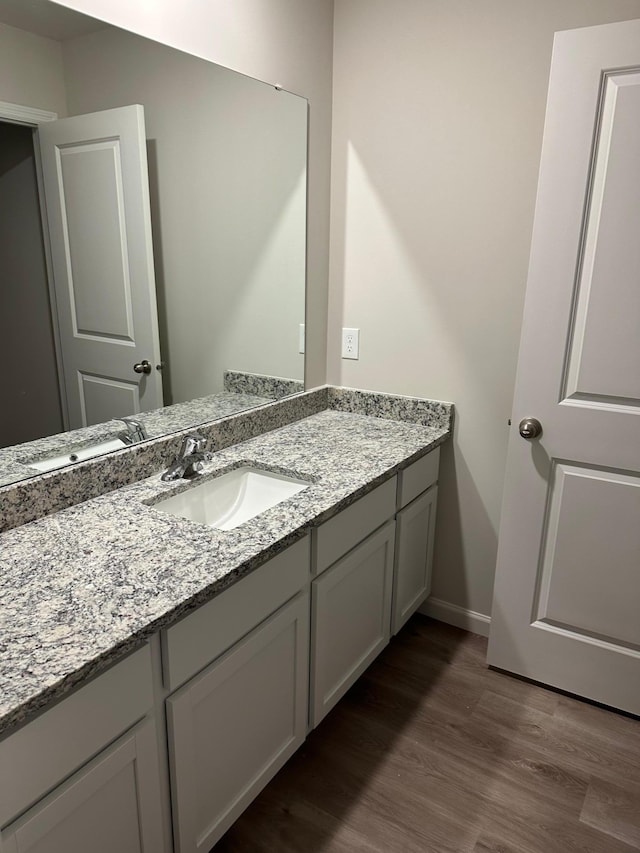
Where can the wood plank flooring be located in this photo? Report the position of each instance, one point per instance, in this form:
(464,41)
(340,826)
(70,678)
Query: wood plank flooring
(432,752)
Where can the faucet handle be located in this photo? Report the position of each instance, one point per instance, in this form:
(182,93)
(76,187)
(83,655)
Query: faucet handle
(192,443)
(135,430)
(190,459)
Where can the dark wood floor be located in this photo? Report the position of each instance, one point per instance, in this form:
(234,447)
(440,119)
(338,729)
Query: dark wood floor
(432,751)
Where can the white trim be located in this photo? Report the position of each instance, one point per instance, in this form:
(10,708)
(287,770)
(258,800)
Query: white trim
(24,115)
(453,614)
(55,325)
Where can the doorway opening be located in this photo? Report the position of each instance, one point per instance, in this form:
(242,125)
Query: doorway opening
(31,395)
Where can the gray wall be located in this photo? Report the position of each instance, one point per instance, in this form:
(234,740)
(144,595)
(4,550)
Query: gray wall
(227,161)
(285,42)
(438,117)
(30,403)
(31,71)
(438,110)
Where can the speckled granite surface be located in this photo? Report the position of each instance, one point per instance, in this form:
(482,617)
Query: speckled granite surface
(24,500)
(274,387)
(80,588)
(14,460)
(27,500)
(391,406)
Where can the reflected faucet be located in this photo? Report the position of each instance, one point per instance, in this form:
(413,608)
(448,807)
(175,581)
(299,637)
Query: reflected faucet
(134,431)
(190,459)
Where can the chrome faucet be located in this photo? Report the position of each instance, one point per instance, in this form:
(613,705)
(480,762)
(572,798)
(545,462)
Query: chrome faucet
(134,431)
(190,459)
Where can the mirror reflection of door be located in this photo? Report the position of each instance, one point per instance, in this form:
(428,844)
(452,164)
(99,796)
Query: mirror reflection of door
(96,322)
(96,189)
(227,181)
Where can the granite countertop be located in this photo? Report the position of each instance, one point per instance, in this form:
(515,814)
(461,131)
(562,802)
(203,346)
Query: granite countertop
(15,460)
(81,588)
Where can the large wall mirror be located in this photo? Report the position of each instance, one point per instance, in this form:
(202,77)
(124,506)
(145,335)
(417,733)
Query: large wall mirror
(152,239)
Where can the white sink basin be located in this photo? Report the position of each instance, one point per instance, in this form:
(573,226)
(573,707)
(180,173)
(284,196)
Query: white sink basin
(51,463)
(230,500)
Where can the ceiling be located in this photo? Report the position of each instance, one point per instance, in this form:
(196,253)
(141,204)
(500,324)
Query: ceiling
(47,19)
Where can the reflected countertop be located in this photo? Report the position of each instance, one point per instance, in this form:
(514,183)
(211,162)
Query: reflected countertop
(14,460)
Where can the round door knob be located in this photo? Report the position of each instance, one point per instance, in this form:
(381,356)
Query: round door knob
(142,367)
(530,428)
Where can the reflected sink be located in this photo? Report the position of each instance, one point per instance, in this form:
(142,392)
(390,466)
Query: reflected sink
(51,463)
(235,497)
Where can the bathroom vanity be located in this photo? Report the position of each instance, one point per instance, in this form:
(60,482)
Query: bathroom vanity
(158,672)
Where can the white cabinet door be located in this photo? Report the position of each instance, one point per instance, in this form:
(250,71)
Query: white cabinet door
(234,726)
(414,556)
(351,618)
(567,593)
(111,804)
(97,198)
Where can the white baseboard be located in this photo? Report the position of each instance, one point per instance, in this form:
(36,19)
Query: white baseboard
(452,614)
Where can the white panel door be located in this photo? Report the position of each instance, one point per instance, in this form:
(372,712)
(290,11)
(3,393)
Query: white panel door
(97,199)
(567,599)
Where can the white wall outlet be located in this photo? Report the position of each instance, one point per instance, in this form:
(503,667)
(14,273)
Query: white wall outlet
(301,338)
(351,343)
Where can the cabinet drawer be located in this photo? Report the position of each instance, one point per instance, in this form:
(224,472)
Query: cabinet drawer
(418,477)
(189,645)
(341,533)
(39,756)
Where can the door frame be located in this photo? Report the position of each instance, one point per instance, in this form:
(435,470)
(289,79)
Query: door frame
(32,117)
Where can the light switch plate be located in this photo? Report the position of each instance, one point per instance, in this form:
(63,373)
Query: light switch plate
(301,338)
(351,343)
